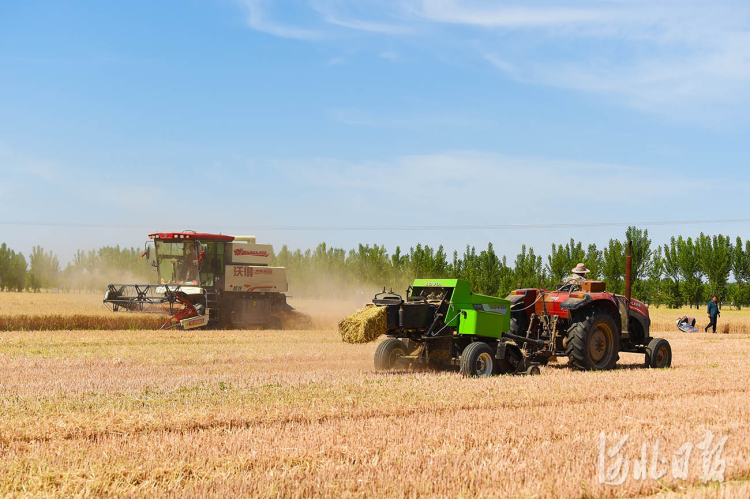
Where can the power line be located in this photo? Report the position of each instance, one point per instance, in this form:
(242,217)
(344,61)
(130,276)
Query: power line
(369,228)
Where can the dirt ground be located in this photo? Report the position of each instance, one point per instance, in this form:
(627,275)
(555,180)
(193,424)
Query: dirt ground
(299,413)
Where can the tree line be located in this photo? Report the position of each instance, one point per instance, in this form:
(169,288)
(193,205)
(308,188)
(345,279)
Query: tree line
(88,271)
(681,272)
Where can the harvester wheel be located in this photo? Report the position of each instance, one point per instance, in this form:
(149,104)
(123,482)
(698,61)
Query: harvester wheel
(274,323)
(658,354)
(388,353)
(593,343)
(477,360)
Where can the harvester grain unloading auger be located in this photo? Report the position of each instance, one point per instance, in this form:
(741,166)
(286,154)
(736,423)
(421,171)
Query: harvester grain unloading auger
(442,324)
(207,280)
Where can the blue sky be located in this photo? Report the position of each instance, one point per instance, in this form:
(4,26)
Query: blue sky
(212,114)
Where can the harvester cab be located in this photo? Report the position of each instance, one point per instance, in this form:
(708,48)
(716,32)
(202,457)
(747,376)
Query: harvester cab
(443,324)
(207,280)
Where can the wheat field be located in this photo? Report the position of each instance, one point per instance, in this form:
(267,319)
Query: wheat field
(299,413)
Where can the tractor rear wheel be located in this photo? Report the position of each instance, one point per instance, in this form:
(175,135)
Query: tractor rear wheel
(593,343)
(477,360)
(658,354)
(519,323)
(388,353)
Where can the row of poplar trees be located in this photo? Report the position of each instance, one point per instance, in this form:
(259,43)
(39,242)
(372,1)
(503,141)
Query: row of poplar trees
(682,272)
(90,270)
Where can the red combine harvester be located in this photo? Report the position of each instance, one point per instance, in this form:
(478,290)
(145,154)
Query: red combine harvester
(207,280)
(585,323)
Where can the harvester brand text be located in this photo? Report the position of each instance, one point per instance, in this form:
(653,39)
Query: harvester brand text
(250,271)
(244,252)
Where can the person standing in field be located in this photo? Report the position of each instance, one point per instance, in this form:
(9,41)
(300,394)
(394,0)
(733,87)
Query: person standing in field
(713,314)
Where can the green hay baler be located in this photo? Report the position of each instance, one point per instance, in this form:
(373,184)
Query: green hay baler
(441,323)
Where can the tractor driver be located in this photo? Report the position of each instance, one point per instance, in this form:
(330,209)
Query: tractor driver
(577,277)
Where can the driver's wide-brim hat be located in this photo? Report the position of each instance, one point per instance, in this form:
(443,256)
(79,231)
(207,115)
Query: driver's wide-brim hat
(580,269)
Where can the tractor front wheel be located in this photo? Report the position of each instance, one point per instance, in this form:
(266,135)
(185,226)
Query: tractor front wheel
(658,354)
(477,360)
(388,354)
(593,344)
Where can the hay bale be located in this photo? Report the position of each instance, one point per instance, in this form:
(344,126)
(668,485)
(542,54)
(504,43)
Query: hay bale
(364,325)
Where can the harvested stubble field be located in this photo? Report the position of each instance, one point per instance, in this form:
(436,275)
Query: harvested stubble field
(299,413)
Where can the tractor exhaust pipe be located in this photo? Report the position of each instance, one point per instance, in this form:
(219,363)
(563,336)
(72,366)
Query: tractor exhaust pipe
(628,271)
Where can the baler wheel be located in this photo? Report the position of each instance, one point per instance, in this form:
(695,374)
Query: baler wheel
(593,344)
(477,360)
(510,363)
(658,354)
(533,371)
(388,353)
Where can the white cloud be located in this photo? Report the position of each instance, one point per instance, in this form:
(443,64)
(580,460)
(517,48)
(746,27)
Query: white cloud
(685,59)
(391,56)
(335,61)
(12,161)
(474,188)
(358,117)
(500,64)
(492,15)
(121,195)
(257,19)
(671,58)
(687,87)
(483,185)
(338,13)
(372,27)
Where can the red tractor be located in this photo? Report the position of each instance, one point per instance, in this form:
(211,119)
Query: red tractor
(584,323)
